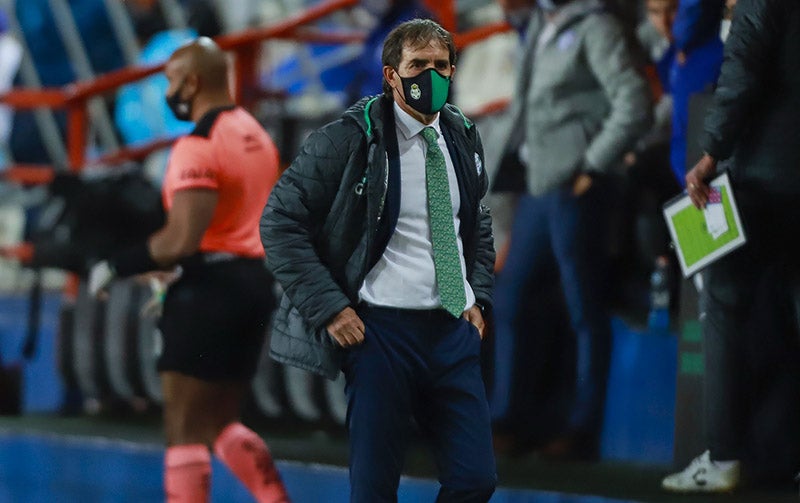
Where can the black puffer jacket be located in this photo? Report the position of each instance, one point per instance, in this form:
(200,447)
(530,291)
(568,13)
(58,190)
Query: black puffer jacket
(755,115)
(322,219)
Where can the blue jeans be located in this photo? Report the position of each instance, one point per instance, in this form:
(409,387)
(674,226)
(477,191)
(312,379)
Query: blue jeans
(425,365)
(572,232)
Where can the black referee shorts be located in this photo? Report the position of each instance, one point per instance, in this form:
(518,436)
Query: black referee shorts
(214,320)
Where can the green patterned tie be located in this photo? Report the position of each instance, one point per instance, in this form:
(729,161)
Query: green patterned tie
(443,233)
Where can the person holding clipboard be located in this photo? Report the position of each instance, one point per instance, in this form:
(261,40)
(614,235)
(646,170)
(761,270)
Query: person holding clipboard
(754,121)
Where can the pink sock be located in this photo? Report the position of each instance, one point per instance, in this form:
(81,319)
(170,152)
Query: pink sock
(247,456)
(187,470)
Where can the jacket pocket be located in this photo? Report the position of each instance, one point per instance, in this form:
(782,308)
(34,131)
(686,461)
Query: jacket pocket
(556,154)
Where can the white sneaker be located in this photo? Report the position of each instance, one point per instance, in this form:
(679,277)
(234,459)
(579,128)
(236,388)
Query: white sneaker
(704,475)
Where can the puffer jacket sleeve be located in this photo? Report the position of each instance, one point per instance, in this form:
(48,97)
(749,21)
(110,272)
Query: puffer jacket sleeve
(749,49)
(296,209)
(482,278)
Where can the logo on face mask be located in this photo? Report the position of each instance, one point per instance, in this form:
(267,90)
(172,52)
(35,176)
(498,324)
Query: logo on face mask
(415,92)
(428,90)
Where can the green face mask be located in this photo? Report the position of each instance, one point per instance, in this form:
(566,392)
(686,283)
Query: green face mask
(427,92)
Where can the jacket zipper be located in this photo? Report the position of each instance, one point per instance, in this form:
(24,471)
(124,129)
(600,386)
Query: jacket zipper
(360,188)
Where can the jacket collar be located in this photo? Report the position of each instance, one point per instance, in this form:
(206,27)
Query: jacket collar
(410,127)
(368,114)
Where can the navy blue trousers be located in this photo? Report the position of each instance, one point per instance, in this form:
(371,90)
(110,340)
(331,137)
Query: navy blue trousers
(423,365)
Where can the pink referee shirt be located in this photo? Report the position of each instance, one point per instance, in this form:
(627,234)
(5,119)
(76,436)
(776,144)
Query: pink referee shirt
(237,159)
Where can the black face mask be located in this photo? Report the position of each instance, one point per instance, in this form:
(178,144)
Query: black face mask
(181,109)
(427,92)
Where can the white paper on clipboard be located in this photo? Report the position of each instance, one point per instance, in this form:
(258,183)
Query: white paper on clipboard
(701,238)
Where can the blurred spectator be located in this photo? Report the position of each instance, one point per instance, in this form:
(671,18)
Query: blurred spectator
(695,68)
(581,104)
(754,121)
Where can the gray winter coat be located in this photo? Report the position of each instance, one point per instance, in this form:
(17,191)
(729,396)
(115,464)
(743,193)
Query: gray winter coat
(581,101)
(322,223)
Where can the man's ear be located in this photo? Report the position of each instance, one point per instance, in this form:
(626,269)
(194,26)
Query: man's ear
(389,74)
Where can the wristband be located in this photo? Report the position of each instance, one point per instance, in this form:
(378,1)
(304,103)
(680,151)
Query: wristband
(133,260)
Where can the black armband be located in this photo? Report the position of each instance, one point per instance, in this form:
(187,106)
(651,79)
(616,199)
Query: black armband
(133,260)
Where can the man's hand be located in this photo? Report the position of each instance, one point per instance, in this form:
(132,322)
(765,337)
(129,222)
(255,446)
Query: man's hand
(100,276)
(581,185)
(696,186)
(474,315)
(346,328)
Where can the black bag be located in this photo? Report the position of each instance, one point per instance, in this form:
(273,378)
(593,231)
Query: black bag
(86,219)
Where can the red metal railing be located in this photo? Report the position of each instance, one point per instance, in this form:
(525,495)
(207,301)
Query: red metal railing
(244,45)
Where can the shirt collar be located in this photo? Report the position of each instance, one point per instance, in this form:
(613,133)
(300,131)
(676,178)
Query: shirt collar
(409,126)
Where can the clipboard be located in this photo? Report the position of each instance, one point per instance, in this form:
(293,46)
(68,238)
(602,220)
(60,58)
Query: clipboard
(694,244)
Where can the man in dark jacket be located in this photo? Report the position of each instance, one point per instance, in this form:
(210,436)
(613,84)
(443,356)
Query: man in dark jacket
(385,254)
(754,121)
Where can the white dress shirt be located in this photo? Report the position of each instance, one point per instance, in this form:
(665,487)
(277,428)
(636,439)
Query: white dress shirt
(405,276)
